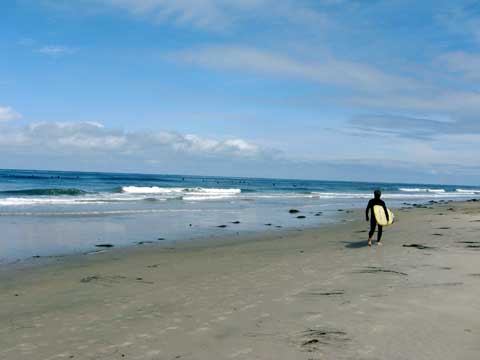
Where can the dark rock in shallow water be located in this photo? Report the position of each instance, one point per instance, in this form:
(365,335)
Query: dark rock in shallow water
(301,217)
(340,210)
(268,224)
(235,222)
(104,245)
(293,211)
(222,226)
(144,242)
(319,213)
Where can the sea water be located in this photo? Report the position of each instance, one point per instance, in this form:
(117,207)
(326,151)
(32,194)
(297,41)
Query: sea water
(46,213)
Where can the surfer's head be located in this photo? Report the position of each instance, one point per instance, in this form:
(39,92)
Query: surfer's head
(377,193)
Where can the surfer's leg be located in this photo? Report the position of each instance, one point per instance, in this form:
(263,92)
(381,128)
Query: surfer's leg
(379,235)
(373,224)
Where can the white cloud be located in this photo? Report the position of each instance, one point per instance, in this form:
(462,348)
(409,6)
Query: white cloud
(331,71)
(94,138)
(212,14)
(7,114)
(461,18)
(55,50)
(466,64)
(458,103)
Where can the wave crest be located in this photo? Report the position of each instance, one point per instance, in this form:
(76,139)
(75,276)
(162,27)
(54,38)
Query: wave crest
(45,192)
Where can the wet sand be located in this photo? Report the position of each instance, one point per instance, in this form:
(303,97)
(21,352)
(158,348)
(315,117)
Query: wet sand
(312,294)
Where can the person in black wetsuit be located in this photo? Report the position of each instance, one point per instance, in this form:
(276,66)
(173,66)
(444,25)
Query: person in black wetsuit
(373,222)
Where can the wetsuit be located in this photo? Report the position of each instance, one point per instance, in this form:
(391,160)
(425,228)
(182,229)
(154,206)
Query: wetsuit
(373,221)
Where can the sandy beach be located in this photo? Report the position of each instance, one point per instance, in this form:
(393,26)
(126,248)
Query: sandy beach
(311,294)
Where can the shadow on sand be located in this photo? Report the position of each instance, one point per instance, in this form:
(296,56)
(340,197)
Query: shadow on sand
(355,244)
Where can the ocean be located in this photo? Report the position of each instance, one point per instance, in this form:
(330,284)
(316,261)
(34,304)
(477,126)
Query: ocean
(51,213)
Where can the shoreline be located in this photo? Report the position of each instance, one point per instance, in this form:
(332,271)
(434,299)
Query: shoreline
(310,294)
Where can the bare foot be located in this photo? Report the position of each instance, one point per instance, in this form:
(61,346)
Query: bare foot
(379,243)
(369,243)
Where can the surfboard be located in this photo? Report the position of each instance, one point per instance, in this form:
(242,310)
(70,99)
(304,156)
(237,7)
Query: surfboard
(381,217)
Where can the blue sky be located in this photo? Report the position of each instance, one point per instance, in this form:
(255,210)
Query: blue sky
(325,89)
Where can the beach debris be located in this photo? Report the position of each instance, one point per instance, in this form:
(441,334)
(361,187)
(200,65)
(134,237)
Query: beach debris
(94,252)
(418,246)
(453,283)
(107,280)
(312,338)
(104,245)
(153,266)
(375,270)
(326,293)
(90,279)
(301,217)
(293,211)
(144,242)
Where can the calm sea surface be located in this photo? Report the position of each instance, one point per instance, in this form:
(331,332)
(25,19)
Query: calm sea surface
(51,212)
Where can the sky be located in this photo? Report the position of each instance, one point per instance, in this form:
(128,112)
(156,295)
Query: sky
(366,90)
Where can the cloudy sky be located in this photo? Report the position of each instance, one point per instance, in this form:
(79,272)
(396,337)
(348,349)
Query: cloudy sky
(382,90)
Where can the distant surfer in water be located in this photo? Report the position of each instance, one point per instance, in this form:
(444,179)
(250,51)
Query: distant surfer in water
(373,222)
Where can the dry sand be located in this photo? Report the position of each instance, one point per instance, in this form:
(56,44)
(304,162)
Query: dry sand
(313,294)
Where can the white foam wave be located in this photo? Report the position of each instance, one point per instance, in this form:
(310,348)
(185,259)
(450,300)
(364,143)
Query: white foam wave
(422,190)
(409,195)
(128,194)
(468,191)
(188,194)
(150,190)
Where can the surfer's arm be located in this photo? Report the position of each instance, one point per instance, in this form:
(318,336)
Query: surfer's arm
(368,209)
(386,211)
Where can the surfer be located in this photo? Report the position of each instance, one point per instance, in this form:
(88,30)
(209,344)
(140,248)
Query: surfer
(373,222)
